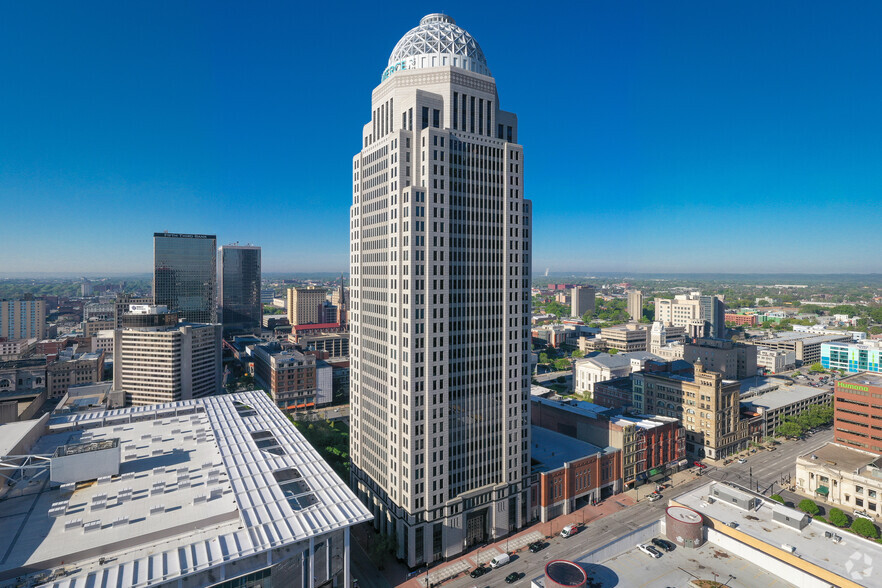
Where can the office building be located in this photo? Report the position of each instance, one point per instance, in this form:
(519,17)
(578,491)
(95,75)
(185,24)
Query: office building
(16,348)
(98,310)
(702,316)
(73,369)
(775,361)
(637,337)
(185,275)
(238,289)
(123,303)
(805,346)
(23,319)
(706,405)
(582,300)
(156,359)
(737,318)
(635,305)
(23,375)
(221,491)
(440,301)
(93,325)
(306,306)
(733,360)
(853,357)
(604,366)
(287,374)
(858,412)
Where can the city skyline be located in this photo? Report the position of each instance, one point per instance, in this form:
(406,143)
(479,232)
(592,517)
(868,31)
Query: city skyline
(131,121)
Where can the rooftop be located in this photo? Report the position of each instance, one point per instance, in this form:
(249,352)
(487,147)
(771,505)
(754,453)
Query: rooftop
(437,37)
(866,378)
(840,457)
(810,543)
(201,483)
(806,338)
(582,407)
(783,396)
(553,449)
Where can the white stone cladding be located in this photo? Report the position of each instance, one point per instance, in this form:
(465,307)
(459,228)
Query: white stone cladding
(440,307)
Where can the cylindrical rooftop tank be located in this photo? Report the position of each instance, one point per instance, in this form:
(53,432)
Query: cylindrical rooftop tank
(684,526)
(560,573)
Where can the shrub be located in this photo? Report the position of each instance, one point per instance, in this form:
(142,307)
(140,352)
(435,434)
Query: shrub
(838,518)
(777,498)
(809,507)
(865,528)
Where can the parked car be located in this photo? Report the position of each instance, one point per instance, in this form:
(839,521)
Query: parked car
(569,531)
(662,544)
(500,560)
(742,460)
(537,546)
(862,515)
(650,551)
(655,496)
(479,571)
(512,578)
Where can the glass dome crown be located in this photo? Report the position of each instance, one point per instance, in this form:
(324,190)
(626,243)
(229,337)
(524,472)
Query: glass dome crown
(438,41)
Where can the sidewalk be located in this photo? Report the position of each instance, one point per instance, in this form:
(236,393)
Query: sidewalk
(519,541)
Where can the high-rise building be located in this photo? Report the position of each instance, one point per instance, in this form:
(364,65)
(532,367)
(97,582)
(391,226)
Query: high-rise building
(305,306)
(703,316)
(23,319)
(858,413)
(185,275)
(582,299)
(238,289)
(156,359)
(732,359)
(123,302)
(635,304)
(440,301)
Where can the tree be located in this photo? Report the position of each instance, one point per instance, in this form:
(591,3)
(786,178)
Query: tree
(777,498)
(838,518)
(809,507)
(562,364)
(613,351)
(817,368)
(578,353)
(543,358)
(789,428)
(864,528)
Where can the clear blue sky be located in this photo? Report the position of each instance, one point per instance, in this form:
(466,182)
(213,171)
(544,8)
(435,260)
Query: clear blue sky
(660,136)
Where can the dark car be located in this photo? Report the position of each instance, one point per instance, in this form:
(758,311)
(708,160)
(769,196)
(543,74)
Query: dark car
(512,578)
(479,571)
(537,546)
(662,544)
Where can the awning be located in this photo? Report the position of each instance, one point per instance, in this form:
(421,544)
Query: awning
(823,490)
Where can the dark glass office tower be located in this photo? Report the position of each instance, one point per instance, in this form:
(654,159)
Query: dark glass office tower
(184,275)
(238,293)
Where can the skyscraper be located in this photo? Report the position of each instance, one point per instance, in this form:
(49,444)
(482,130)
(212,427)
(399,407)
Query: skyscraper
(305,306)
(185,275)
(635,304)
(582,300)
(238,289)
(440,301)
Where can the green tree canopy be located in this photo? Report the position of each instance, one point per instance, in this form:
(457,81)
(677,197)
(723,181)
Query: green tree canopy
(864,528)
(809,507)
(789,428)
(838,518)
(777,498)
(817,368)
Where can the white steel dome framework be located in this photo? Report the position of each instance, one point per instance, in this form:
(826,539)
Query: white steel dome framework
(438,41)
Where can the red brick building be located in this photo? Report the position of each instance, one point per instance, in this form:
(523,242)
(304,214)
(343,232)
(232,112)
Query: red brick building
(741,319)
(858,412)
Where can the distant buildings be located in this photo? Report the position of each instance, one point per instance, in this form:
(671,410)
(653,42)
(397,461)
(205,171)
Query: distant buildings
(853,357)
(701,316)
(733,360)
(749,319)
(775,361)
(603,367)
(582,298)
(156,359)
(638,337)
(238,289)
(23,319)
(22,375)
(185,275)
(305,306)
(288,375)
(635,305)
(73,369)
(806,346)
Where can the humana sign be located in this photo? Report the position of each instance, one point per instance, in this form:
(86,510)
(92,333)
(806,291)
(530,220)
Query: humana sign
(853,387)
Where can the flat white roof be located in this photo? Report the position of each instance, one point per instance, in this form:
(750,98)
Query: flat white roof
(784,396)
(202,482)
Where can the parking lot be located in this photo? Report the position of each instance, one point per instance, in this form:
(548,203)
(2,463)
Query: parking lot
(708,562)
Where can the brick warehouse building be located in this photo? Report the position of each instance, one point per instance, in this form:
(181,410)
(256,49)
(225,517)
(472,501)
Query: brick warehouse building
(858,412)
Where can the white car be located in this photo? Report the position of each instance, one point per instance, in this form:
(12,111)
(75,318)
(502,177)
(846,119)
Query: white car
(862,515)
(742,460)
(650,551)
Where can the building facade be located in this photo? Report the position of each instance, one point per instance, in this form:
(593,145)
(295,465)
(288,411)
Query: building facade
(783,402)
(775,361)
(440,302)
(858,412)
(238,289)
(805,346)
(853,357)
(842,476)
(185,275)
(85,368)
(693,312)
(582,300)
(288,375)
(635,305)
(305,306)
(733,360)
(167,363)
(23,319)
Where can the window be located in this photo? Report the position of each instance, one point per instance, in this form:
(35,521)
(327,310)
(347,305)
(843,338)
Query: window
(871,493)
(425,122)
(436,118)
(858,502)
(859,489)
